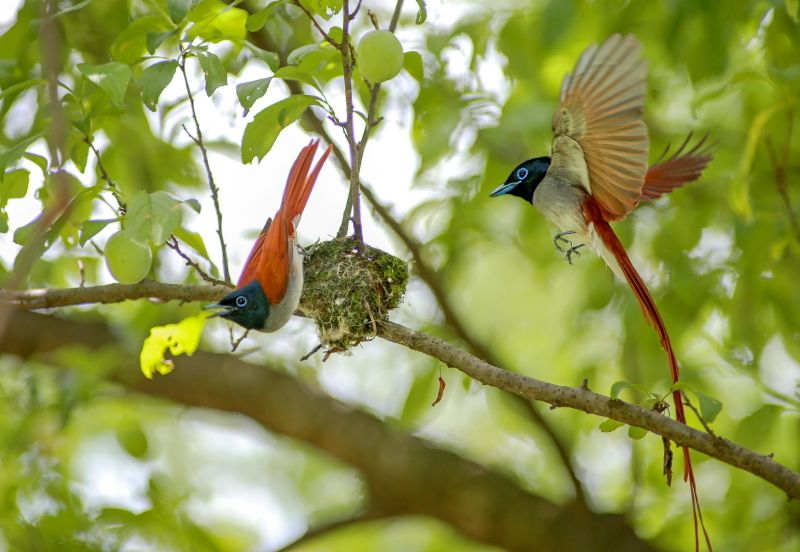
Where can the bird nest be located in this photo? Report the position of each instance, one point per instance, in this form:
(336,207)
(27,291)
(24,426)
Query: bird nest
(349,289)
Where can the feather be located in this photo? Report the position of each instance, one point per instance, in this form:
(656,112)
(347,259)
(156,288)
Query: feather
(679,169)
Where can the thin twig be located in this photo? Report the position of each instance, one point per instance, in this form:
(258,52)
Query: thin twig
(104,176)
(173,244)
(198,139)
(353,204)
(316,24)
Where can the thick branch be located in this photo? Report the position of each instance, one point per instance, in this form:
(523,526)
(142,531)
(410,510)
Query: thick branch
(578,398)
(406,475)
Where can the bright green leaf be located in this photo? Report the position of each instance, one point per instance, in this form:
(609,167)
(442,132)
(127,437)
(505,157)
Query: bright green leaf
(290,72)
(154,40)
(257,20)
(249,92)
(261,133)
(215,72)
(154,80)
(324,8)
(193,204)
(178,9)
(180,338)
(14,186)
(193,240)
(91,228)
(610,425)
(111,77)
(709,407)
(15,152)
(636,432)
(153,217)
(215,21)
(412,62)
(131,44)
(270,58)
(422,13)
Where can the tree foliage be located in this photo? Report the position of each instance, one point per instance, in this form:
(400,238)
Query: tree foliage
(114,115)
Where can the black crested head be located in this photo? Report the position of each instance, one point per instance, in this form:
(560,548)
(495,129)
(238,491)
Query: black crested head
(524,178)
(247,306)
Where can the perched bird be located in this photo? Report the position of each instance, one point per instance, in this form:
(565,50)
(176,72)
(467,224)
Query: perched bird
(269,288)
(598,173)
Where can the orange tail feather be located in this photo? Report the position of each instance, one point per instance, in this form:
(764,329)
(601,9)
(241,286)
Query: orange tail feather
(593,215)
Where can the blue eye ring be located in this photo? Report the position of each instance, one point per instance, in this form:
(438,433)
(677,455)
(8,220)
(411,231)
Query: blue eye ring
(522,173)
(241,301)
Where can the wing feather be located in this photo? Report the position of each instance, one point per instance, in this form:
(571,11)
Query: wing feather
(601,110)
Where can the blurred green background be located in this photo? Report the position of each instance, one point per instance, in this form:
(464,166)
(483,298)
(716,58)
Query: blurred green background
(92,459)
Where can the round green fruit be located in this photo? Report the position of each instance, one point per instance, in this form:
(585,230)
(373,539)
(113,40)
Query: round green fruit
(380,56)
(128,259)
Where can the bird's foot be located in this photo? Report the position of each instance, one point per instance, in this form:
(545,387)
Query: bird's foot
(573,251)
(559,239)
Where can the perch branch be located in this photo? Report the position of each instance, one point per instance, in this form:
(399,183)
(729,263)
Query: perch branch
(578,398)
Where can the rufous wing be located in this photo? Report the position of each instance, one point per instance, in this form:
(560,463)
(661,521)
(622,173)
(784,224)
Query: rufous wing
(270,258)
(601,108)
(678,169)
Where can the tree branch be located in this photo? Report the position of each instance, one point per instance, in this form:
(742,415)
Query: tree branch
(578,398)
(405,475)
(198,139)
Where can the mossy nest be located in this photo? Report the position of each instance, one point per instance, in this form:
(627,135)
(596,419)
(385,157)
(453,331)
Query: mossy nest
(347,291)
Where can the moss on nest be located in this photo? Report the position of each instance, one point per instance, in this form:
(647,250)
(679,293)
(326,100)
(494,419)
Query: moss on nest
(347,291)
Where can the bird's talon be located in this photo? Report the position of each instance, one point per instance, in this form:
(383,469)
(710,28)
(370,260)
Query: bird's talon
(573,251)
(559,239)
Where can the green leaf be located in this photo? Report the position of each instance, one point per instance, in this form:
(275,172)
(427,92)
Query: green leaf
(422,13)
(15,152)
(131,44)
(193,240)
(249,92)
(261,133)
(270,58)
(180,338)
(24,232)
(154,80)
(215,21)
(39,160)
(324,8)
(290,72)
(709,407)
(610,425)
(412,62)
(154,40)
(79,153)
(14,186)
(111,77)
(215,72)
(618,386)
(257,20)
(178,9)
(153,217)
(91,228)
(636,432)
(193,204)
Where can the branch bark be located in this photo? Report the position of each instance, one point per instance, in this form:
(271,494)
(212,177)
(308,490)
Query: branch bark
(761,465)
(406,475)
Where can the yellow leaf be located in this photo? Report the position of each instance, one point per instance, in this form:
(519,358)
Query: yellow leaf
(180,338)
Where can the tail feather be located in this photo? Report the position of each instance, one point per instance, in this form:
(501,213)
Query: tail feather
(594,216)
(299,185)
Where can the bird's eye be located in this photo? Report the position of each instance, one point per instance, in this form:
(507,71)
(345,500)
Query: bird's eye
(241,301)
(522,173)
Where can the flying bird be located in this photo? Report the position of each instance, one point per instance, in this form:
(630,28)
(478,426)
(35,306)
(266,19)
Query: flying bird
(269,288)
(598,173)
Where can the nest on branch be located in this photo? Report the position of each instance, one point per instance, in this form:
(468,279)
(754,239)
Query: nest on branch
(348,290)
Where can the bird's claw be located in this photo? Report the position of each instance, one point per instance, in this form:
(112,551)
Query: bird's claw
(573,251)
(559,239)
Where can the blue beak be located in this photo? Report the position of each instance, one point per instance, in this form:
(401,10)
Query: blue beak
(503,189)
(224,309)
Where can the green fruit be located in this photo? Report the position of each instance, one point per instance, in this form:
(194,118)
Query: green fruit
(128,259)
(380,56)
